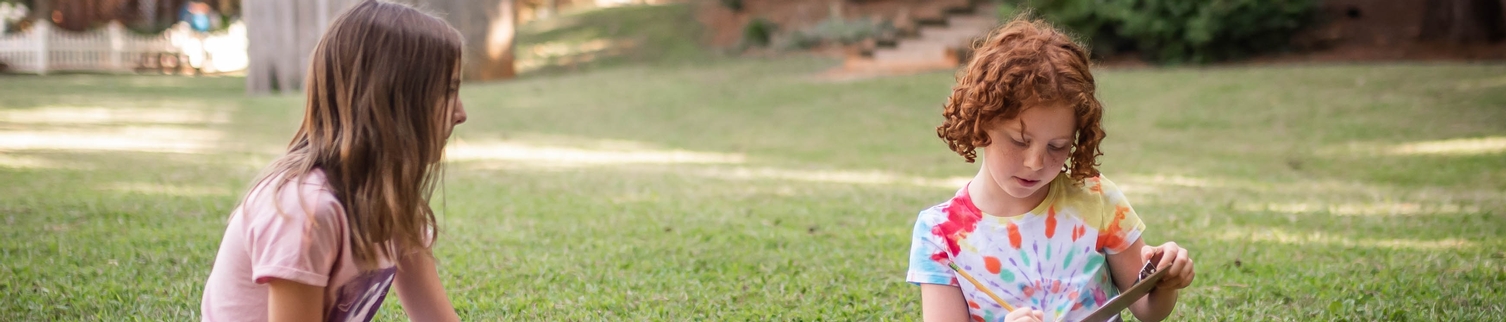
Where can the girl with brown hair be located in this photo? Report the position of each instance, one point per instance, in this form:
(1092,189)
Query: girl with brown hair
(1038,234)
(344,214)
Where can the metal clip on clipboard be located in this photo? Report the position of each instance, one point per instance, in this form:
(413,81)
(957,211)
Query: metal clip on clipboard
(1149,277)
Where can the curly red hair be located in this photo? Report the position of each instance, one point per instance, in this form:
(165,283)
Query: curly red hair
(1023,64)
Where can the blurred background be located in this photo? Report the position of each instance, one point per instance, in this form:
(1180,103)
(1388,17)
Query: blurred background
(210,37)
(765,159)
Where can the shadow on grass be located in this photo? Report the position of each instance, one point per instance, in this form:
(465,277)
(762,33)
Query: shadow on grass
(609,36)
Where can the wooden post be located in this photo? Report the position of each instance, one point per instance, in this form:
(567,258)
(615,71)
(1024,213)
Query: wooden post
(43,32)
(116,31)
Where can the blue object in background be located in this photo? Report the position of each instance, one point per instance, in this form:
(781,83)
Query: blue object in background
(199,21)
(197,15)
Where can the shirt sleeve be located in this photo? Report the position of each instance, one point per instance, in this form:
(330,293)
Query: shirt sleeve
(1122,226)
(923,244)
(300,243)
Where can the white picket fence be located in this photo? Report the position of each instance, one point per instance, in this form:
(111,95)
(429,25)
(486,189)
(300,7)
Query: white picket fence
(46,48)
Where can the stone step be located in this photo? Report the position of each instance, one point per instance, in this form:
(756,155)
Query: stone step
(914,54)
(970,23)
(948,35)
(943,27)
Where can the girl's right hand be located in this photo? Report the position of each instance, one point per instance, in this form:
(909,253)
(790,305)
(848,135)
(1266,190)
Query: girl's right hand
(1025,314)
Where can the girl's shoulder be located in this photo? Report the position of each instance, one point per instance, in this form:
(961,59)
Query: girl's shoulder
(296,198)
(1091,198)
(1097,188)
(958,201)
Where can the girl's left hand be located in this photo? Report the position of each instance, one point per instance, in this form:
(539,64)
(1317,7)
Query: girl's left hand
(1174,261)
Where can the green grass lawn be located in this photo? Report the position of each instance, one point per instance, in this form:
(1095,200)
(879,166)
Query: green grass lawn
(753,190)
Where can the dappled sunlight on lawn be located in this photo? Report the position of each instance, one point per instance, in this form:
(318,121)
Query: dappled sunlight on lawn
(555,23)
(129,138)
(1467,146)
(165,189)
(830,176)
(171,128)
(1172,180)
(28,162)
(1306,197)
(1449,147)
(509,154)
(577,153)
(112,115)
(1474,84)
(1371,209)
(569,53)
(1322,239)
(1174,187)
(1146,186)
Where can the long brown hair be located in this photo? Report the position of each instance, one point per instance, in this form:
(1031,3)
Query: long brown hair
(376,119)
(1025,62)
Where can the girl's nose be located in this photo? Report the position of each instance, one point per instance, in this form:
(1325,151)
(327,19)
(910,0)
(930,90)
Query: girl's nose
(459,116)
(1034,159)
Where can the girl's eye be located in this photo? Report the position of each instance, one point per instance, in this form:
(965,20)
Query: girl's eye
(1057,148)
(1017,142)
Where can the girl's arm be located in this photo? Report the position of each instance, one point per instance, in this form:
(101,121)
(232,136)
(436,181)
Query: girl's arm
(942,303)
(294,301)
(1125,267)
(419,289)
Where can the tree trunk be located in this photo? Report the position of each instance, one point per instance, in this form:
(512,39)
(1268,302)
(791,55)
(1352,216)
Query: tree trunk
(1464,21)
(261,68)
(477,21)
(41,9)
(282,35)
(497,61)
(548,9)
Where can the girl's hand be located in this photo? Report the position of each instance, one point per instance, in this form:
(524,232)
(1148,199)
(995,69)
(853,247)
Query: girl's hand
(1174,261)
(1025,314)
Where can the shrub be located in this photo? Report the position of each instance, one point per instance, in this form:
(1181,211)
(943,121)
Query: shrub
(845,31)
(797,40)
(835,30)
(758,32)
(1173,31)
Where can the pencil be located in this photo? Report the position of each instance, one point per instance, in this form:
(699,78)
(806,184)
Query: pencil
(980,286)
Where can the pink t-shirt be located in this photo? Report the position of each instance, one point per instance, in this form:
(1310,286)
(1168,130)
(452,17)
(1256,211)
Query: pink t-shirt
(307,243)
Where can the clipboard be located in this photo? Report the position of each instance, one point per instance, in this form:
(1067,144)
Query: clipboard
(1149,276)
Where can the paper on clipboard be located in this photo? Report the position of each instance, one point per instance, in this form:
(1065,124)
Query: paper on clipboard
(1149,277)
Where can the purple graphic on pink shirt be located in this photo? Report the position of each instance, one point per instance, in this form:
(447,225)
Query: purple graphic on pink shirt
(359,299)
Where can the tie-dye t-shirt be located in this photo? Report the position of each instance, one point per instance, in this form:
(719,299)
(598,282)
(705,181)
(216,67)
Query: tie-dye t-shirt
(1051,258)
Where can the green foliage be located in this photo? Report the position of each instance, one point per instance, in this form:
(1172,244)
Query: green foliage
(758,32)
(834,30)
(1006,10)
(1174,31)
